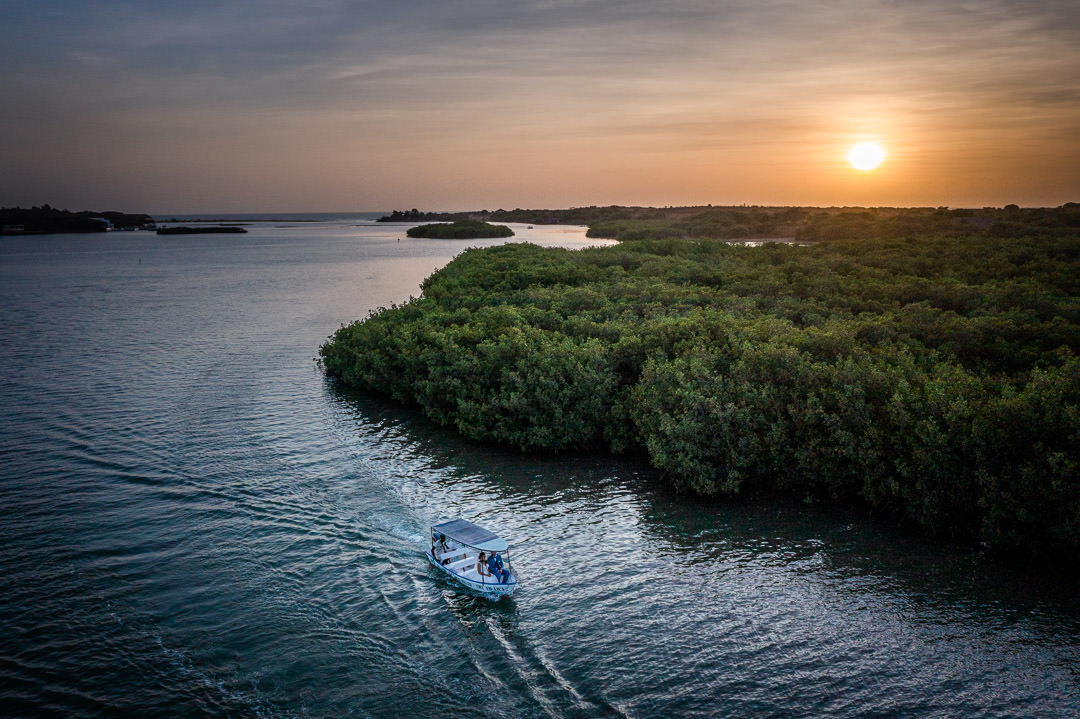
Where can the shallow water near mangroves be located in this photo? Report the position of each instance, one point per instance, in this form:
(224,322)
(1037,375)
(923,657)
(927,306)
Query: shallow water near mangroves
(197,522)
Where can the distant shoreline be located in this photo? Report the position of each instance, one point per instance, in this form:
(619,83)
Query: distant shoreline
(210,230)
(47,220)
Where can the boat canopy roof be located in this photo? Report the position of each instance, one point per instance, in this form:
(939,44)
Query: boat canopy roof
(468,533)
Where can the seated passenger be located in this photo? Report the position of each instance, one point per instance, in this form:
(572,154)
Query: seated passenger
(481,566)
(495,564)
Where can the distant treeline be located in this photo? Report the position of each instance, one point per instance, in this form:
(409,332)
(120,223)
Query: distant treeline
(803,224)
(825,224)
(573,216)
(415,215)
(460,230)
(49,220)
(934,377)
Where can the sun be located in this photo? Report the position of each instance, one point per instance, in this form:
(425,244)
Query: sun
(866,155)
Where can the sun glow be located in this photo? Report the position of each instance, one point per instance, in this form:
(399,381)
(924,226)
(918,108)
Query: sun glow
(866,155)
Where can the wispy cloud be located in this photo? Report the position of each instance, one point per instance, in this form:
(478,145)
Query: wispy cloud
(583,83)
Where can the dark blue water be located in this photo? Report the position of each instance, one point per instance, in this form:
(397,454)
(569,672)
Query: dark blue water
(195,522)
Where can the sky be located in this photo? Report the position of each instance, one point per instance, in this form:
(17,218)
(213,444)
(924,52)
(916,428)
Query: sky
(335,105)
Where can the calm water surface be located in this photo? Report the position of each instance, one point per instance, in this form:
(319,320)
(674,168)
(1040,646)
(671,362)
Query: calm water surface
(195,522)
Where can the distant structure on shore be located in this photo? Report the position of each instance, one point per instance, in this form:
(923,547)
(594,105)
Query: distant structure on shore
(45,220)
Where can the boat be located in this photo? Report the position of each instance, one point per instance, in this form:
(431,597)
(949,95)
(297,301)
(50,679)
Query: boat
(456,546)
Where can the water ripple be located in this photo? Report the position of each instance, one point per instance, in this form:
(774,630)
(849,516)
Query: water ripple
(196,522)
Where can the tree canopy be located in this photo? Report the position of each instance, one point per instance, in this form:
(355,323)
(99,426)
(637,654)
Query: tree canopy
(460,230)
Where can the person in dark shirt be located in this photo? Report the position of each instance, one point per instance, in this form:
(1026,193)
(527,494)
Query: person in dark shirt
(438,544)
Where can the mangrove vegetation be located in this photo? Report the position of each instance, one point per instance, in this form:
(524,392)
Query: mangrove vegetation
(926,364)
(460,230)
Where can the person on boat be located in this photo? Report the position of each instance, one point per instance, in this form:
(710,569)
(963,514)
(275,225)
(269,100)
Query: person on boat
(481,565)
(495,565)
(438,542)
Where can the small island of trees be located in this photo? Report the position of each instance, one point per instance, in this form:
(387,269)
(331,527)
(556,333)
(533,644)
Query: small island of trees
(460,230)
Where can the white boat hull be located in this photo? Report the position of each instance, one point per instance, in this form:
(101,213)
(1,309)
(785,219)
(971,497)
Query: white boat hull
(468,577)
